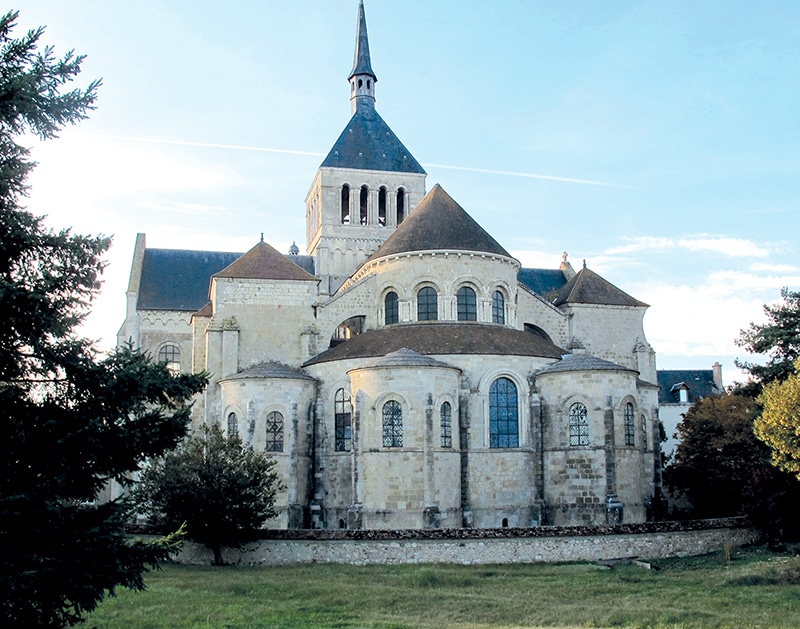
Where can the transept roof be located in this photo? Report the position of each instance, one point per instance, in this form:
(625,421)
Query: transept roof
(587,287)
(264,262)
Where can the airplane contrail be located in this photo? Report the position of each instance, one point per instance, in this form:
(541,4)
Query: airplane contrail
(237,147)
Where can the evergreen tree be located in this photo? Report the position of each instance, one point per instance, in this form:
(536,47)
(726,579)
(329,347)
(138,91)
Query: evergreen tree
(71,420)
(222,490)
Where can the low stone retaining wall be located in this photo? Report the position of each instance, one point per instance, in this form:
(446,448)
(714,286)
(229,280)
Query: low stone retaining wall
(479,546)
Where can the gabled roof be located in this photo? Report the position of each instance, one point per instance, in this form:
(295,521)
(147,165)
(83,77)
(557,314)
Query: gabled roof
(544,282)
(264,262)
(587,287)
(698,382)
(367,143)
(438,223)
(441,338)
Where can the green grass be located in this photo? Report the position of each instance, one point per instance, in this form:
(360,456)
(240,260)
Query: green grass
(754,589)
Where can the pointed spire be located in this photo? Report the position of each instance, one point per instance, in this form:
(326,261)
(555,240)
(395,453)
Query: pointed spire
(362,78)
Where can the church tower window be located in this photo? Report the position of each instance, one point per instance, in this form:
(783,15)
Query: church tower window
(343,414)
(391,308)
(274,432)
(401,205)
(362,206)
(578,425)
(427,304)
(345,204)
(467,304)
(446,416)
(392,425)
(233,425)
(498,307)
(503,414)
(382,206)
(171,354)
(628,423)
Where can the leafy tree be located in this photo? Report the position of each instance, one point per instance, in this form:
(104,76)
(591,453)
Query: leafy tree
(71,421)
(779,338)
(716,456)
(221,489)
(779,423)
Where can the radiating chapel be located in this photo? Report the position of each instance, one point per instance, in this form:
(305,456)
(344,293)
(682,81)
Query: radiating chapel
(408,372)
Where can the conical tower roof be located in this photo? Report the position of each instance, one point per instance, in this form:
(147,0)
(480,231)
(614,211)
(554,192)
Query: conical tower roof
(264,262)
(362,63)
(587,287)
(438,223)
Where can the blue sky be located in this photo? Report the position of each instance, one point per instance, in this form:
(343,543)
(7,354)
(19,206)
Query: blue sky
(659,141)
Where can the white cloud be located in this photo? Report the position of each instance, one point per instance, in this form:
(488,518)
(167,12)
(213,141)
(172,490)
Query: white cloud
(732,247)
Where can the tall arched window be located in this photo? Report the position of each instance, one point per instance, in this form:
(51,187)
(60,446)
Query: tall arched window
(467,304)
(578,425)
(233,425)
(446,424)
(391,308)
(382,206)
(392,425)
(362,205)
(503,414)
(171,354)
(345,204)
(498,307)
(401,205)
(427,304)
(343,413)
(274,432)
(630,438)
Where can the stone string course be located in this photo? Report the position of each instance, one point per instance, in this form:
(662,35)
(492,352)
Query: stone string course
(482,546)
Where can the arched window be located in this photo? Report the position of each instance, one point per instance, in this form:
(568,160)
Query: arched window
(392,425)
(427,304)
(382,206)
(503,414)
(578,425)
(233,425)
(274,432)
(498,307)
(401,205)
(362,206)
(343,413)
(345,204)
(171,354)
(644,431)
(391,308)
(446,415)
(630,438)
(467,304)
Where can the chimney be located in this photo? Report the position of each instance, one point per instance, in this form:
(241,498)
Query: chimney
(717,369)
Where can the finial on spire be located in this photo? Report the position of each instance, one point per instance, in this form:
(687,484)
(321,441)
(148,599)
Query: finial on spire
(362,78)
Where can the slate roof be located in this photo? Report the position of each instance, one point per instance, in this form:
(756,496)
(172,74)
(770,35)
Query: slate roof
(582,362)
(271,369)
(587,287)
(361,62)
(264,262)
(438,223)
(700,382)
(367,143)
(544,282)
(405,357)
(177,279)
(437,338)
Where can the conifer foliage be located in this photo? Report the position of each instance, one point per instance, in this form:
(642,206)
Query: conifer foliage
(70,419)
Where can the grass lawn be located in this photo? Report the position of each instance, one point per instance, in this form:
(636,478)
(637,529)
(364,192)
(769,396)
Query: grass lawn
(754,589)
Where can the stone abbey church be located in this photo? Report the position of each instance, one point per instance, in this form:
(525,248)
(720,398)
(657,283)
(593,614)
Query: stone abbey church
(408,372)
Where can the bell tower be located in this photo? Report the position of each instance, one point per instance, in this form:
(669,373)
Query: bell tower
(366,186)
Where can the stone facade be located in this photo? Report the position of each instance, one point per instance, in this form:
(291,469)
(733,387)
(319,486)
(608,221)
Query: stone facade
(408,372)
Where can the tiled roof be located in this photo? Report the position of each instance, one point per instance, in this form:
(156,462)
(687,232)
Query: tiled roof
(439,338)
(582,362)
(405,357)
(438,223)
(367,143)
(264,262)
(587,287)
(271,369)
(544,282)
(699,382)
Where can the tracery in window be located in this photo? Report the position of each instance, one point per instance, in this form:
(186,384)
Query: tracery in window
(392,425)
(362,205)
(345,204)
(343,413)
(630,438)
(171,354)
(498,307)
(274,432)
(446,423)
(467,304)
(233,425)
(427,304)
(578,425)
(503,414)
(391,308)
